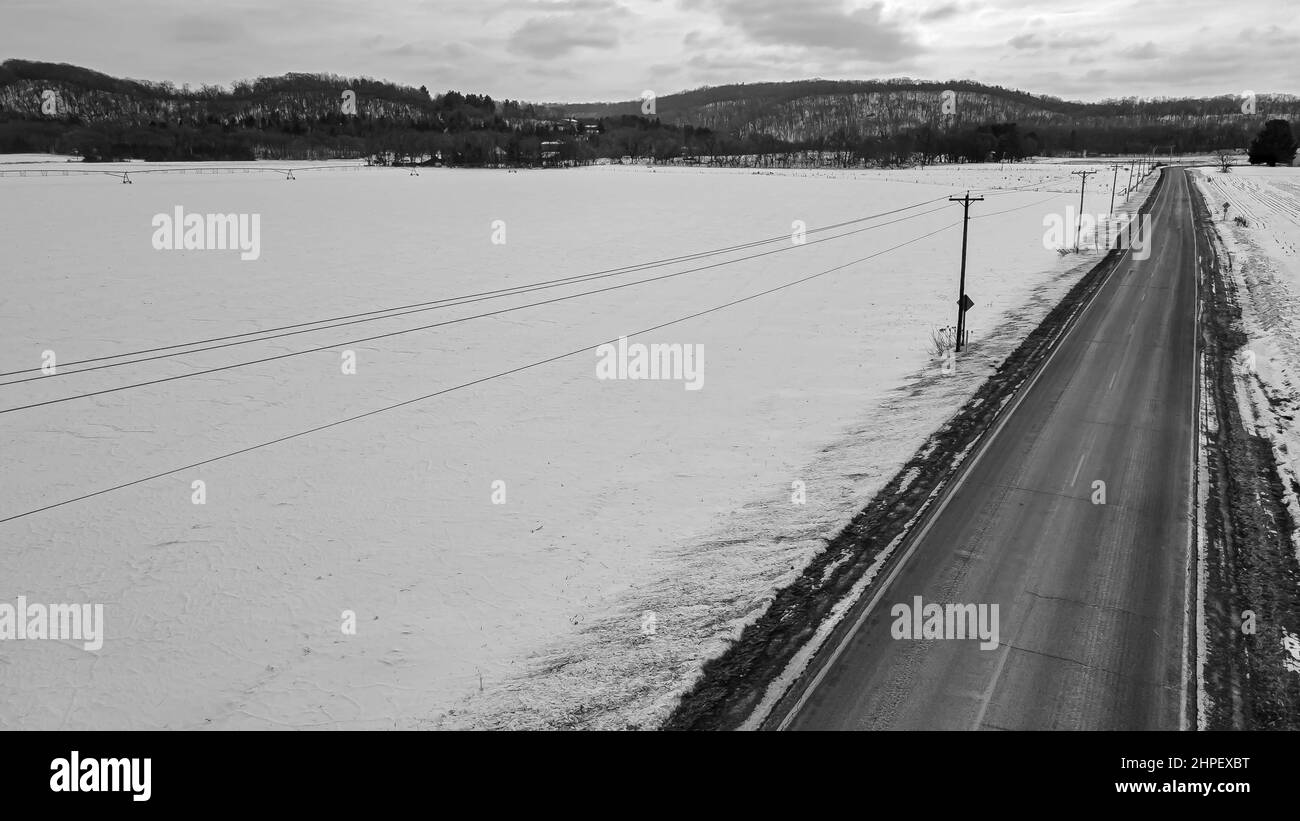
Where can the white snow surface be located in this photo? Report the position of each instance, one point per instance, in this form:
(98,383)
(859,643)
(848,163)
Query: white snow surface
(1266,267)
(622,497)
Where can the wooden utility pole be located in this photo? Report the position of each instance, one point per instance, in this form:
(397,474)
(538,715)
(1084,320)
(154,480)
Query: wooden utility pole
(1083,183)
(963,302)
(1114,178)
(1114,181)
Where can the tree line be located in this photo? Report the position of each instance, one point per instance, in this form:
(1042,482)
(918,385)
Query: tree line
(304,116)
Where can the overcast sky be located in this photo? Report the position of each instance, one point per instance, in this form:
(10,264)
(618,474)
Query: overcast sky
(585,50)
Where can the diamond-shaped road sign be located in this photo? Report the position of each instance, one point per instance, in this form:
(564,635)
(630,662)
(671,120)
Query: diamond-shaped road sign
(965,303)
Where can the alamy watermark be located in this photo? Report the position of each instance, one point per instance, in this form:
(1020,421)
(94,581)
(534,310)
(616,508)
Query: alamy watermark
(920,621)
(53,622)
(77,774)
(661,361)
(179,231)
(1119,230)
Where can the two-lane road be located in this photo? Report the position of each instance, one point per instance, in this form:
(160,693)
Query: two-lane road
(1092,626)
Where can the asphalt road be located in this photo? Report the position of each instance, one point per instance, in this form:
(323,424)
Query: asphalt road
(1092,629)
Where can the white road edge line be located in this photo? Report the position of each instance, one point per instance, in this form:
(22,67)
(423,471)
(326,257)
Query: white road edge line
(1193,536)
(993,682)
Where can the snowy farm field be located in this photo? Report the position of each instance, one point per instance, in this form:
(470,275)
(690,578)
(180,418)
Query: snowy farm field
(530,545)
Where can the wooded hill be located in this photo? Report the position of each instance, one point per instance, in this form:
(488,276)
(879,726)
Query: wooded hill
(292,116)
(829,111)
(49,107)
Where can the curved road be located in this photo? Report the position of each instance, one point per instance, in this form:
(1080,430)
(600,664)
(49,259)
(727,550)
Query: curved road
(1092,626)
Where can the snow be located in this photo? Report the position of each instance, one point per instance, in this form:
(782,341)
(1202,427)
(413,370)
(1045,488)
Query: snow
(1266,266)
(623,498)
(1208,427)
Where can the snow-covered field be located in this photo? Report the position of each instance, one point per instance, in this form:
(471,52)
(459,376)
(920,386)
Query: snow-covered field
(1266,265)
(642,523)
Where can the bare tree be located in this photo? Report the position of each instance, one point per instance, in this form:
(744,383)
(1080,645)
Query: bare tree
(1224,159)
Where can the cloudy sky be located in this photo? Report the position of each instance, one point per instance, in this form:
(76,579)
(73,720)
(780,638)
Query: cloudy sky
(583,50)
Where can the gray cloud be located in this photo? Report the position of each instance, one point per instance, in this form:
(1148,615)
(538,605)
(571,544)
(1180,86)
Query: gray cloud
(611,49)
(943,12)
(1271,36)
(207,28)
(1145,51)
(1063,41)
(545,38)
(567,25)
(863,32)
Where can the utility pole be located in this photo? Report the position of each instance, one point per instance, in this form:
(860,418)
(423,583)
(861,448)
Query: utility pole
(1114,180)
(963,302)
(1083,183)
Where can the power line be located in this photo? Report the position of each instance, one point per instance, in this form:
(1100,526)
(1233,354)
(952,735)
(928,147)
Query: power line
(463,385)
(1002,192)
(1054,195)
(447,303)
(402,310)
(430,326)
(405,309)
